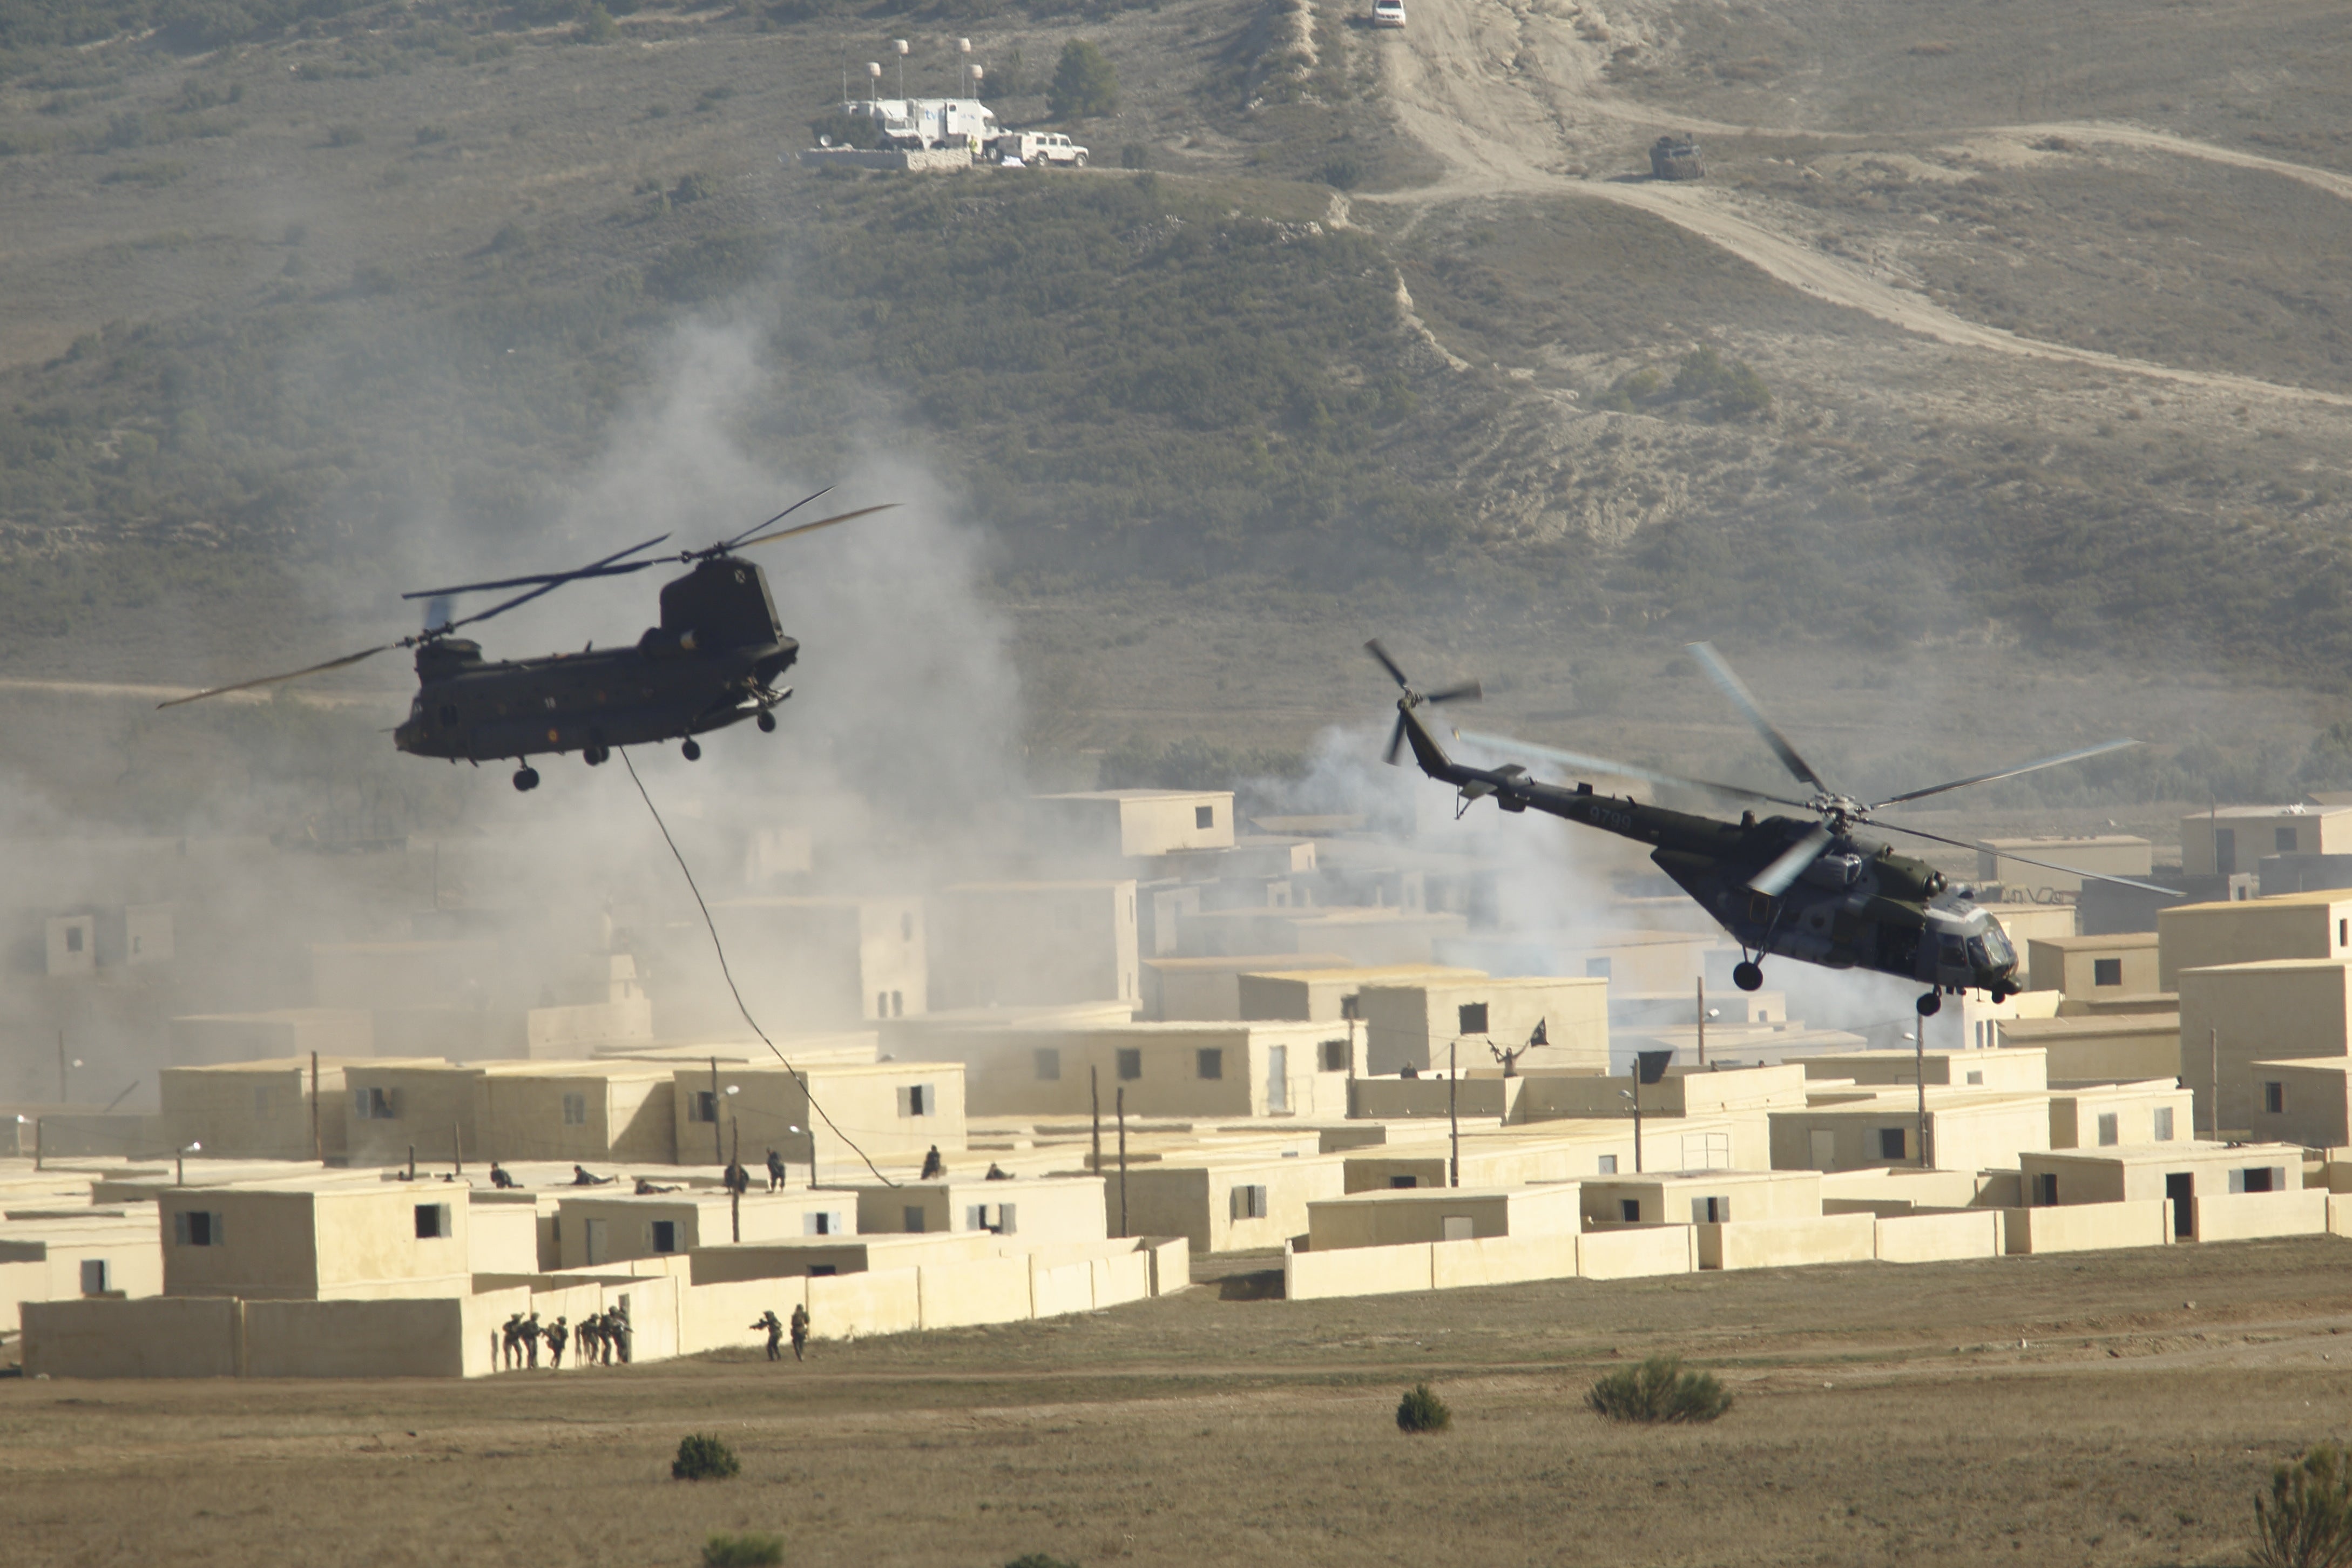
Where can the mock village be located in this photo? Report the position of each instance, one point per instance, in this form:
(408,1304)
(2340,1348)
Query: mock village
(1358,1054)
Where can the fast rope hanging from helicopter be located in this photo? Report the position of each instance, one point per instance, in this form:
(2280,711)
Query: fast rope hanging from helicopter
(740,1006)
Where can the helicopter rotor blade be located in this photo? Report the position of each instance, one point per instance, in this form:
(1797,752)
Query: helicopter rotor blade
(1732,688)
(2099,751)
(1396,741)
(812,527)
(1774,879)
(1578,760)
(289,675)
(1381,655)
(1468,691)
(607,567)
(733,544)
(2024,861)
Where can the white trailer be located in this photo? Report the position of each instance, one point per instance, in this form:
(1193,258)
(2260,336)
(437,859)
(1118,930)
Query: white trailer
(915,124)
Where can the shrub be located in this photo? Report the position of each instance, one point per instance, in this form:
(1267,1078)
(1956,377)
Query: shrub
(836,129)
(1659,1389)
(426,135)
(597,25)
(1729,389)
(2307,1522)
(1344,173)
(693,188)
(1084,82)
(345,136)
(701,1457)
(1421,1411)
(1039,1559)
(746,1551)
(1135,155)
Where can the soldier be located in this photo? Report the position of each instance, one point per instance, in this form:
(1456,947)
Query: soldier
(498,1177)
(581,1178)
(616,1330)
(532,1334)
(646,1189)
(738,1180)
(775,1170)
(511,1337)
(775,1328)
(799,1330)
(559,1334)
(933,1166)
(591,1337)
(997,1173)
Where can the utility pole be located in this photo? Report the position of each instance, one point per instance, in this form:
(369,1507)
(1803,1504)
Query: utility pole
(1919,1070)
(1702,1020)
(734,1187)
(412,1162)
(62,1097)
(1120,1103)
(2213,1122)
(1636,1097)
(456,1148)
(318,1139)
(1452,1122)
(717,1149)
(1093,1093)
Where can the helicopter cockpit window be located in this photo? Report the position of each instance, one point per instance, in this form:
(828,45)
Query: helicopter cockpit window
(1991,951)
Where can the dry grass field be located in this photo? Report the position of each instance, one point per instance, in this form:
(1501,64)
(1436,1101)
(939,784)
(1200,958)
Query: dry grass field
(2102,1409)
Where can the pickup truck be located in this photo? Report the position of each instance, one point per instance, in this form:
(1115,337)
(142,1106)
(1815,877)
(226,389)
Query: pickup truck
(1038,147)
(1387,13)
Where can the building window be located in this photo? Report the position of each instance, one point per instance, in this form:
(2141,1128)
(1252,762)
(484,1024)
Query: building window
(2163,1124)
(1130,1063)
(703,1106)
(1213,1063)
(1351,1006)
(898,1004)
(912,1216)
(1710,1211)
(2107,1137)
(2258,1179)
(432,1221)
(1008,1219)
(93,1277)
(575,1110)
(2284,838)
(1890,1144)
(1472,1018)
(1630,1209)
(919,1099)
(1976,1078)
(2045,1189)
(823,1222)
(1204,816)
(663,1234)
(73,939)
(998,1219)
(2107,972)
(2275,1098)
(1335,1055)
(374,1105)
(1608,1166)
(196,1228)
(1248,1203)
(2342,933)
(1049,1064)
(1404,1182)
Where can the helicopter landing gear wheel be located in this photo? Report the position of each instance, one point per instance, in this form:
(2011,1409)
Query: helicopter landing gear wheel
(693,750)
(1748,976)
(767,722)
(1931,1003)
(594,756)
(526,779)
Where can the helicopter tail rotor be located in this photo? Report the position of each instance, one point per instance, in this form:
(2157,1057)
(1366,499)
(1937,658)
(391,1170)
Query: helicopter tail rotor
(1467,692)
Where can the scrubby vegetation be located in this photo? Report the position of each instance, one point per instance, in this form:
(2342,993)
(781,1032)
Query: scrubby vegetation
(749,1550)
(2306,1522)
(1659,1389)
(1421,1411)
(703,1458)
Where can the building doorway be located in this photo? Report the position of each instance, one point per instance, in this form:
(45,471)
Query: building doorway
(2181,1187)
(1277,1079)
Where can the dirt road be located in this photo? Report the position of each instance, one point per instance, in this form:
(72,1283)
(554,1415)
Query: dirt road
(1513,103)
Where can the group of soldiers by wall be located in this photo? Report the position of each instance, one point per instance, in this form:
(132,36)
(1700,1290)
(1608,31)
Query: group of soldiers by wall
(601,1336)
(800,1332)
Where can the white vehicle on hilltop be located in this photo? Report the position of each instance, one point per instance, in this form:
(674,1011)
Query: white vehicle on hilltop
(917,124)
(1038,147)
(1387,13)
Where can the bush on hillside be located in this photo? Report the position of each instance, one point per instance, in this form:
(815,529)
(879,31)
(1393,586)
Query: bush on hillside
(1084,83)
(2308,1520)
(749,1550)
(1729,388)
(1659,1389)
(1421,1411)
(702,1457)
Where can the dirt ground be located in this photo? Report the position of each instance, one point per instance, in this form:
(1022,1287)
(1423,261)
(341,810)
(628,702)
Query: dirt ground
(2114,1408)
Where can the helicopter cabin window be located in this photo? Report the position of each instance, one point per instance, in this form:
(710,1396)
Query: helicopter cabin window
(2107,972)
(1952,951)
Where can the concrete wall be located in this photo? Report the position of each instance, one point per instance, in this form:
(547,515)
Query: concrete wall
(2086,1227)
(162,1336)
(432,1106)
(1669,1198)
(416,1337)
(1939,1238)
(1961,1136)
(1045,1209)
(1389,1219)
(625,1113)
(1637,1251)
(2204,936)
(1357,1271)
(1321,992)
(1786,1243)
(2242,1217)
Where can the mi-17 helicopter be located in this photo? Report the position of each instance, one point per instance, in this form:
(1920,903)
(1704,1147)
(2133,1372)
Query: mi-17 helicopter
(1816,890)
(711,662)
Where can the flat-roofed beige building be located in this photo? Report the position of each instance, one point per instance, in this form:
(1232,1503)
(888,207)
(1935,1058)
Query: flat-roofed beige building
(893,1111)
(1702,1197)
(1415,1023)
(1209,989)
(1184,1068)
(2111,1115)
(2233,1015)
(1329,993)
(1038,1209)
(1368,937)
(600,1110)
(1225,1203)
(2114,854)
(2124,1046)
(1025,943)
(2292,926)
(1557,1152)
(603,1224)
(2234,838)
(808,965)
(1128,823)
(316,1237)
(259,1109)
(2177,1171)
(1968,1130)
(2081,968)
(2018,1071)
(2307,1103)
(60,1257)
(1399,1219)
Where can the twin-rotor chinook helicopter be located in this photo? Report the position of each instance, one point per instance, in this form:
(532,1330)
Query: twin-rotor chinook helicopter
(711,662)
(1817,891)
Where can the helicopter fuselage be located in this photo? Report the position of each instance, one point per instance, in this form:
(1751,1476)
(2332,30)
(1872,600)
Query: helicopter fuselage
(1859,905)
(712,662)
